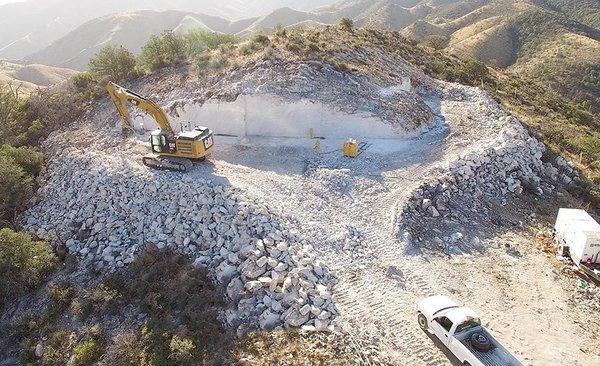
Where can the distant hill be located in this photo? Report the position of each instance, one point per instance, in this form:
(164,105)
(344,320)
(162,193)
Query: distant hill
(29,77)
(131,30)
(29,26)
(555,42)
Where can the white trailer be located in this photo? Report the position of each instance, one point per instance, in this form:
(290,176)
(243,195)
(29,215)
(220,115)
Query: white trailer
(577,234)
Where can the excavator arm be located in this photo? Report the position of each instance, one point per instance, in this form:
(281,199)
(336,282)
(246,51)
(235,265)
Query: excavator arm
(121,96)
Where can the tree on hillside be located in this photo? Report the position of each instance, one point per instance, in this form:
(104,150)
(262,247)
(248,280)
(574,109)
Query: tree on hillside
(166,50)
(13,113)
(347,24)
(436,42)
(474,71)
(23,264)
(199,41)
(113,63)
(16,187)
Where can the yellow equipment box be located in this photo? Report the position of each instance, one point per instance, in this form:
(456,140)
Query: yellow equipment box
(351,148)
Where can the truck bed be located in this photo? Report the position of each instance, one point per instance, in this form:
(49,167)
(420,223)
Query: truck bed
(497,356)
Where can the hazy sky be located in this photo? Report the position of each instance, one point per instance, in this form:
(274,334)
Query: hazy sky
(2,2)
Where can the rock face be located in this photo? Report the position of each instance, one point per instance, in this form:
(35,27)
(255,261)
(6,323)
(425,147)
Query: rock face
(106,211)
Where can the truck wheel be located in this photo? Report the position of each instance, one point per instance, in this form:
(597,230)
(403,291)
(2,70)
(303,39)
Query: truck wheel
(466,363)
(422,322)
(481,342)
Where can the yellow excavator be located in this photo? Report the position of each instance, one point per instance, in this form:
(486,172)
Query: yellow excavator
(170,150)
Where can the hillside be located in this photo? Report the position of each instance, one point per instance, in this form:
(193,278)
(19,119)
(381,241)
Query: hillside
(29,77)
(131,30)
(278,233)
(29,26)
(535,39)
(555,43)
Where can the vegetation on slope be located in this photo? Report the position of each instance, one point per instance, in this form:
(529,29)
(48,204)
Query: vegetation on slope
(161,310)
(583,11)
(24,261)
(553,42)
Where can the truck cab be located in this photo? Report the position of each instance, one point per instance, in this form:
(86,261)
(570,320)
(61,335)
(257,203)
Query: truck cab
(460,330)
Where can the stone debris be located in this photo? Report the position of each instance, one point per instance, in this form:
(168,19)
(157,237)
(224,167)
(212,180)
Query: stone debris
(106,211)
(508,163)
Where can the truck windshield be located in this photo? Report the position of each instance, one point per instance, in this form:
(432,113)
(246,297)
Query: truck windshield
(469,324)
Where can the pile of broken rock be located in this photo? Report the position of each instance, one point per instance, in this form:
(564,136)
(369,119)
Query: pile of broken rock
(106,209)
(508,164)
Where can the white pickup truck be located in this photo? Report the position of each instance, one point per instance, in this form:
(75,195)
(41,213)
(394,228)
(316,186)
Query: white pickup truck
(460,330)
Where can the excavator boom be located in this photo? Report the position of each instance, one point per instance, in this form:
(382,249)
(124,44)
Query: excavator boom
(120,96)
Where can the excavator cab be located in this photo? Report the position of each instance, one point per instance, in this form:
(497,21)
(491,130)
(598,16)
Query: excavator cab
(158,141)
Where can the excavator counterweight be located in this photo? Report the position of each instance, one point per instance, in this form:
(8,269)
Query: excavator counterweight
(170,150)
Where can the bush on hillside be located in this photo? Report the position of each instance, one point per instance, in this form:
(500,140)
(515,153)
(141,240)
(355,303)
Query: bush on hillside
(28,158)
(23,264)
(16,187)
(82,80)
(88,352)
(113,63)
(474,71)
(52,110)
(199,41)
(436,42)
(86,85)
(166,50)
(13,114)
(280,31)
(261,38)
(347,24)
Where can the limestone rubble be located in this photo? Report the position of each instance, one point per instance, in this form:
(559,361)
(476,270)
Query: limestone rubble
(107,213)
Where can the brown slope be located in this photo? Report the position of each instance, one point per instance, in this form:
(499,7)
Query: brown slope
(29,77)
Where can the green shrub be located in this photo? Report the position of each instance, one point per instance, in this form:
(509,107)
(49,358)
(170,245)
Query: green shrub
(16,187)
(261,38)
(34,133)
(181,349)
(166,50)
(13,114)
(312,47)
(58,351)
(105,299)
(23,263)
(474,71)
(113,63)
(86,85)
(60,299)
(436,42)
(88,352)
(197,42)
(347,24)
(292,47)
(280,31)
(29,159)
(82,80)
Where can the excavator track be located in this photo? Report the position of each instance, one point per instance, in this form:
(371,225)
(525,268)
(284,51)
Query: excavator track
(168,163)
